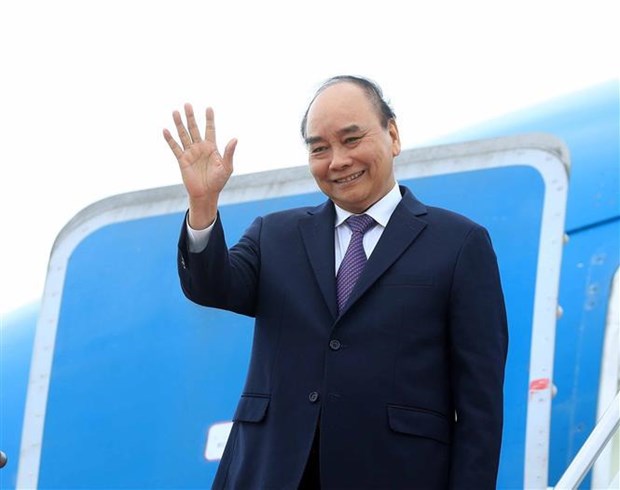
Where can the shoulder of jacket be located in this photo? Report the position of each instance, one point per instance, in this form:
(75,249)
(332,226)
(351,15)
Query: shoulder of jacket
(451,218)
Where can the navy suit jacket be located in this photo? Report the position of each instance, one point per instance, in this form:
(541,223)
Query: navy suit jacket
(407,380)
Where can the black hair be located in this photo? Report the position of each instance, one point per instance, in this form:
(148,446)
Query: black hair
(372,90)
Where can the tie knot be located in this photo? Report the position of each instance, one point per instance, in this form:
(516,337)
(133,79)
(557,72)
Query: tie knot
(360,223)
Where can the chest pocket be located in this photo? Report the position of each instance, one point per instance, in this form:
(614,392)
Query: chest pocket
(408,280)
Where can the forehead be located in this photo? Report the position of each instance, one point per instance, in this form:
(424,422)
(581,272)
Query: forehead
(340,105)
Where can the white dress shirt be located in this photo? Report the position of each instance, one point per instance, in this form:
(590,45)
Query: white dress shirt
(381,212)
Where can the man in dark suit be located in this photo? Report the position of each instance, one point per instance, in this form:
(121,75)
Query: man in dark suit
(380,337)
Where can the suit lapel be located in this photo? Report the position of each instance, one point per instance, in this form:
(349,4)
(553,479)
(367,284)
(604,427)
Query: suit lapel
(317,233)
(402,230)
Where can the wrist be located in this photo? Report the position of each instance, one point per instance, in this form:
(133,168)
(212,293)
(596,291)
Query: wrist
(202,213)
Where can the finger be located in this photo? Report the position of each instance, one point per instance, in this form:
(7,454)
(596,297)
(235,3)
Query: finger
(191,123)
(176,149)
(210,130)
(183,135)
(229,152)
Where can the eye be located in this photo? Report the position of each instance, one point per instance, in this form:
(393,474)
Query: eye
(317,149)
(352,139)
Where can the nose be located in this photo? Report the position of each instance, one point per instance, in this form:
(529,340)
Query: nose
(340,159)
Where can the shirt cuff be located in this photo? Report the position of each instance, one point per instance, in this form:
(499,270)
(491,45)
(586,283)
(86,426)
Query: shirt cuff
(197,240)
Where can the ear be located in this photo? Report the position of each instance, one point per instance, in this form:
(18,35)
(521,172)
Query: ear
(394,136)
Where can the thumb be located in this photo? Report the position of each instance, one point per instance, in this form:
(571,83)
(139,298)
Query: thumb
(229,152)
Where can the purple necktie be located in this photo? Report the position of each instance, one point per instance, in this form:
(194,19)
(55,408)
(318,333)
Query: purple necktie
(354,259)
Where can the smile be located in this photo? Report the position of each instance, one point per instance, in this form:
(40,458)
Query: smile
(349,178)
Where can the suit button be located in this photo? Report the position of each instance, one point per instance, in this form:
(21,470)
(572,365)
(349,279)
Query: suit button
(335,344)
(313,397)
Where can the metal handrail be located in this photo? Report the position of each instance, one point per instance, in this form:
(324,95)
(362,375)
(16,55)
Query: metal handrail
(595,443)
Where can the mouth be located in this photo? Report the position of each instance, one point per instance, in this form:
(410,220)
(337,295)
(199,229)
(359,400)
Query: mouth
(349,178)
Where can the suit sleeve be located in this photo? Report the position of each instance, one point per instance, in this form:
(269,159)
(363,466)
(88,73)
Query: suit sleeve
(478,344)
(219,277)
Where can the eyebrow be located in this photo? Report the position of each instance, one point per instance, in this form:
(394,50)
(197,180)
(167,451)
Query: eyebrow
(353,128)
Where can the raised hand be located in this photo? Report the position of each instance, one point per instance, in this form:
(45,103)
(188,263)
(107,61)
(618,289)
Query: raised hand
(204,171)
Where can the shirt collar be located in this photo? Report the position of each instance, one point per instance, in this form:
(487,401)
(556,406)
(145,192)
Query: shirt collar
(381,211)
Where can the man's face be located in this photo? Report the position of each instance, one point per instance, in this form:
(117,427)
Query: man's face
(351,156)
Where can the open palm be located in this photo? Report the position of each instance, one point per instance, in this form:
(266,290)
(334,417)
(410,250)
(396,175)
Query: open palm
(204,171)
